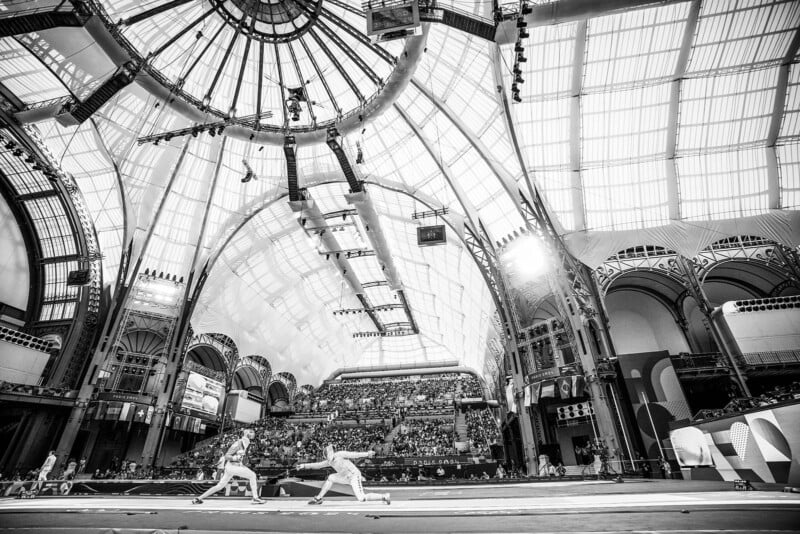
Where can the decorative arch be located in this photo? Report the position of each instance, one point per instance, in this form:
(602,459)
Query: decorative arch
(643,258)
(277,393)
(246,377)
(214,351)
(261,364)
(207,356)
(289,383)
(141,342)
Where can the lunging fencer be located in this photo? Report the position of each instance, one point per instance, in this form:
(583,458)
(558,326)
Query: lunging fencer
(346,473)
(235,468)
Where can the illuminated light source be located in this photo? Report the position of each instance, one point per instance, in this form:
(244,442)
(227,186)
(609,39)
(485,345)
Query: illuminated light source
(527,258)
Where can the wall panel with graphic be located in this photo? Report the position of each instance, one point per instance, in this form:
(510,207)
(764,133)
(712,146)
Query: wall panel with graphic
(759,446)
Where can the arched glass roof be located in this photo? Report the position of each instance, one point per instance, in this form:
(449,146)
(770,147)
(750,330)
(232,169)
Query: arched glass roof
(299,64)
(674,124)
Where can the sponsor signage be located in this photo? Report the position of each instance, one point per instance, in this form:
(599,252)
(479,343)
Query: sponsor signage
(124,397)
(544,374)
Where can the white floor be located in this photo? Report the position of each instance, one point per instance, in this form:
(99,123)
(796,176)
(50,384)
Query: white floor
(459,506)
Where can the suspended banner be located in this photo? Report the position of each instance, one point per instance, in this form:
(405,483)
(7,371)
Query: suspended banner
(510,398)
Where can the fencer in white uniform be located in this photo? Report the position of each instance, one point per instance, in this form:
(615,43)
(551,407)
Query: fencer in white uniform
(346,473)
(235,468)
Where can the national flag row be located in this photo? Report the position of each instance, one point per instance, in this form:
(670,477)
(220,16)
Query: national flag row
(565,387)
(186,423)
(121,411)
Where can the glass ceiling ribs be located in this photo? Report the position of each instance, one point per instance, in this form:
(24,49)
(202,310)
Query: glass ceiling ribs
(23,76)
(83,155)
(664,113)
(30,178)
(317,68)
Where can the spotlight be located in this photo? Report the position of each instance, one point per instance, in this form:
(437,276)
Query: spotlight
(10,145)
(521,23)
(527,258)
(195,131)
(523,34)
(518,48)
(526,9)
(521,58)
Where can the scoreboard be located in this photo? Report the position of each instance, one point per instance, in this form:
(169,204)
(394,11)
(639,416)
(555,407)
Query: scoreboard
(431,235)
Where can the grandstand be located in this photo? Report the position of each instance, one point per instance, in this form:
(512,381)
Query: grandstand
(557,237)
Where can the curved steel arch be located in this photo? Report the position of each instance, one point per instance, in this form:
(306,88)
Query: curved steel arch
(655,295)
(330,178)
(229,354)
(247,375)
(221,359)
(288,381)
(667,273)
(263,366)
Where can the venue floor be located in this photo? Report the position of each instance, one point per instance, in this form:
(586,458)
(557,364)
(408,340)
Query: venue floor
(636,506)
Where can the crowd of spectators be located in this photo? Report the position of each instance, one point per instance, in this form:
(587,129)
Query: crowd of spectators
(348,438)
(482,431)
(424,437)
(471,388)
(385,397)
(355,415)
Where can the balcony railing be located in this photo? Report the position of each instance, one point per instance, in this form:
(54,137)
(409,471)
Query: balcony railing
(780,357)
(700,360)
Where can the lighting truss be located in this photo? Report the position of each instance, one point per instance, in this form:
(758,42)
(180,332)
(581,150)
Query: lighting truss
(382,307)
(392,333)
(213,128)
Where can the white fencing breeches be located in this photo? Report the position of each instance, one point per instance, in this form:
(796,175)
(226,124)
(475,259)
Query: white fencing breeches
(354,481)
(234,470)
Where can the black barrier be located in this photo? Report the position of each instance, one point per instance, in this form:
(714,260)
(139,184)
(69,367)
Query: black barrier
(235,488)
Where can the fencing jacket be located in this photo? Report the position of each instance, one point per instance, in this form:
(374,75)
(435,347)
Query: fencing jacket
(340,462)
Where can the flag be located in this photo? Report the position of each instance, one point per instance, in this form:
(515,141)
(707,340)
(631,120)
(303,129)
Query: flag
(548,389)
(564,384)
(100,413)
(140,414)
(510,398)
(578,386)
(527,395)
(536,390)
(114,409)
(150,413)
(127,411)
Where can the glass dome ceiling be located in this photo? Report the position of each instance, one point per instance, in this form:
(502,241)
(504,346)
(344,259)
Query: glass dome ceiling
(674,125)
(273,64)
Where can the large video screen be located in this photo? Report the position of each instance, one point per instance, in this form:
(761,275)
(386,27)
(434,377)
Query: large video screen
(202,394)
